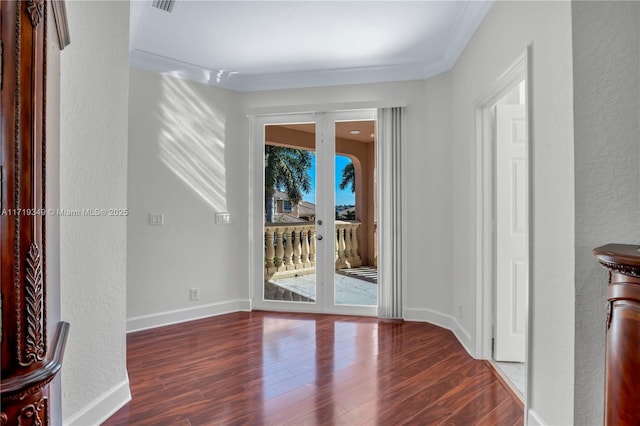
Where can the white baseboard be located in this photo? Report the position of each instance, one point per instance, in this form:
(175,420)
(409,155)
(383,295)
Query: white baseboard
(463,337)
(188,314)
(430,316)
(534,419)
(103,407)
(441,320)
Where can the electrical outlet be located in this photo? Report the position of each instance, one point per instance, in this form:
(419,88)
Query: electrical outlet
(156,218)
(194,294)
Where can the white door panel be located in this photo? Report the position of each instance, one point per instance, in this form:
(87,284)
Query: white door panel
(511,233)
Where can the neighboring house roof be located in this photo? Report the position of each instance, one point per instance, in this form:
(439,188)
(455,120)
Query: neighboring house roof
(305,208)
(286,218)
(279,195)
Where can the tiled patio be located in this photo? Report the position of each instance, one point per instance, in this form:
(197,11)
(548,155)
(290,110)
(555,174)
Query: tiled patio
(349,290)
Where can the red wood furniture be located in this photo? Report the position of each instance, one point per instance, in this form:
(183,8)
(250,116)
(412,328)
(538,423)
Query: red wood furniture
(622,389)
(30,359)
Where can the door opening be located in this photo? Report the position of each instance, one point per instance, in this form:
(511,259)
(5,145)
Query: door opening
(318,218)
(504,202)
(511,253)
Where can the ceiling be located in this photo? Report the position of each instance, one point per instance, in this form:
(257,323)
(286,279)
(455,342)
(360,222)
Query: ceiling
(343,130)
(264,45)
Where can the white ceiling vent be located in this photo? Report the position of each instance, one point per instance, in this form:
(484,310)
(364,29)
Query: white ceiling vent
(166,5)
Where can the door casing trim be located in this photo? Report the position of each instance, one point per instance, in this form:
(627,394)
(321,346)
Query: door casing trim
(256,201)
(484,205)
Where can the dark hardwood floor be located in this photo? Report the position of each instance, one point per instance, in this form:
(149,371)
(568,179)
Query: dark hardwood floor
(300,369)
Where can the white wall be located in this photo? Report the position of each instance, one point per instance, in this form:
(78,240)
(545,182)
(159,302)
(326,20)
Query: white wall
(187,161)
(500,40)
(430,270)
(606,82)
(93,174)
(428,295)
(176,125)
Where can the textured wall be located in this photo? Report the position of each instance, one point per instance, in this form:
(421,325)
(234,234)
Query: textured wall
(501,39)
(187,162)
(93,174)
(606,67)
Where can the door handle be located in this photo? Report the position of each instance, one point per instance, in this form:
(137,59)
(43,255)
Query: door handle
(319,237)
(319,222)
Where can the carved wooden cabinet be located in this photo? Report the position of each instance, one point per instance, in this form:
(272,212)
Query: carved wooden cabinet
(28,362)
(622,369)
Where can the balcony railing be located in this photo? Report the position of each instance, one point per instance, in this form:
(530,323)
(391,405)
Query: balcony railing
(290,248)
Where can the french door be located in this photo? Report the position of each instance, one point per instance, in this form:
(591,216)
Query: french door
(314,213)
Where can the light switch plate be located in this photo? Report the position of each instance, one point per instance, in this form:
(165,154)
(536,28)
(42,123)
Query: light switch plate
(223,217)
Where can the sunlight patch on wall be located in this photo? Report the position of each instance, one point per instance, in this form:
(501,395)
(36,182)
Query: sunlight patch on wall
(192,142)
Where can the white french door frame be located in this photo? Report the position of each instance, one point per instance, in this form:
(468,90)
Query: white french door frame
(256,218)
(485,208)
(325,205)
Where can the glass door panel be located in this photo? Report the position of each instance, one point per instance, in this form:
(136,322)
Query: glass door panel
(355,272)
(318,239)
(290,213)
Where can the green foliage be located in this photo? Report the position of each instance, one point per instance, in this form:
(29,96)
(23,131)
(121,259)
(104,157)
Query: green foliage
(348,215)
(286,170)
(348,177)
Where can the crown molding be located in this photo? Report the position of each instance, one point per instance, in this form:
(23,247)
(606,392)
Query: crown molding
(292,80)
(62,25)
(466,24)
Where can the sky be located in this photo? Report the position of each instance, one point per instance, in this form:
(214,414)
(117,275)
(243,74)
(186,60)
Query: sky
(342,196)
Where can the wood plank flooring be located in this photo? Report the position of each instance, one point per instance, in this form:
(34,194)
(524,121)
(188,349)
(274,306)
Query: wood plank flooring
(265,368)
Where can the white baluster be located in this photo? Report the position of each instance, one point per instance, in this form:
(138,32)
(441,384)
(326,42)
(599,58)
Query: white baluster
(305,247)
(347,246)
(341,263)
(297,249)
(269,251)
(288,251)
(279,250)
(312,247)
(356,261)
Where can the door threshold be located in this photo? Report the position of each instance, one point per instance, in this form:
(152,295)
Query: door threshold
(502,378)
(293,311)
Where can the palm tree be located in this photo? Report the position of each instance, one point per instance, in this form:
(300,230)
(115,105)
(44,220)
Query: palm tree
(285,169)
(348,177)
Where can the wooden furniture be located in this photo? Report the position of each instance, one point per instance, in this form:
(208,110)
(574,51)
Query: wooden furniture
(29,360)
(622,371)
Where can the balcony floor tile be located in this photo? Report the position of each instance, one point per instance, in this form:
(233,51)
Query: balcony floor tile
(349,290)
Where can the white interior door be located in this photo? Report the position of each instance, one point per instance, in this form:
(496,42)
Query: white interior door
(512,255)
